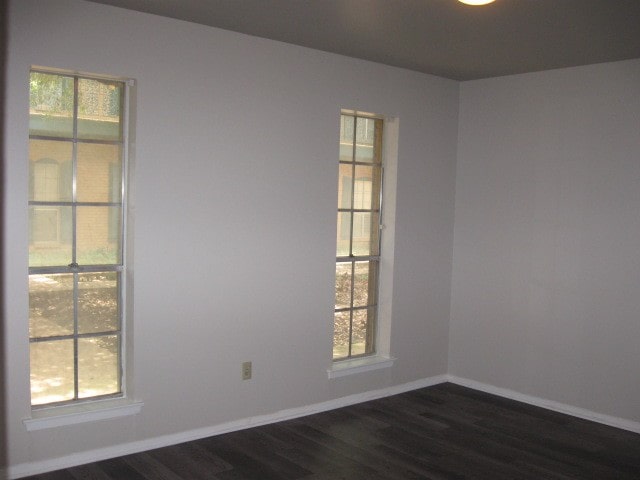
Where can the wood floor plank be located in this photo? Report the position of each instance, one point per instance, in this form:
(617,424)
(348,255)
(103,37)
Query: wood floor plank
(362,454)
(58,475)
(88,472)
(150,467)
(190,461)
(259,449)
(117,468)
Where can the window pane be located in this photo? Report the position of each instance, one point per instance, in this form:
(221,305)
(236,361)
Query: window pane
(362,331)
(98,309)
(46,224)
(365,281)
(343,284)
(51,371)
(365,233)
(98,235)
(50,170)
(341,335)
(50,305)
(346,138)
(364,153)
(98,360)
(345,185)
(99,173)
(367,188)
(364,131)
(50,105)
(368,131)
(49,236)
(99,104)
(364,140)
(344,230)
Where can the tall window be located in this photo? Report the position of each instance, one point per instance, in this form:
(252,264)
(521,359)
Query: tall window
(358,239)
(76,217)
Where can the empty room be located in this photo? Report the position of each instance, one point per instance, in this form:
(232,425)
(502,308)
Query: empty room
(309,239)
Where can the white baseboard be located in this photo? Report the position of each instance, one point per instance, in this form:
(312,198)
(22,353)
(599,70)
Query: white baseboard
(34,468)
(548,404)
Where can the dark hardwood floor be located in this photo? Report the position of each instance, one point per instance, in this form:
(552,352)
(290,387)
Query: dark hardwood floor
(441,432)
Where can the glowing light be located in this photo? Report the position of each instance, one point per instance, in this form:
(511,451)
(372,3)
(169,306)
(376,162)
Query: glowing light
(476,2)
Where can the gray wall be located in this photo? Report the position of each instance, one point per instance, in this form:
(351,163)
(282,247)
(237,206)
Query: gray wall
(234,216)
(546,273)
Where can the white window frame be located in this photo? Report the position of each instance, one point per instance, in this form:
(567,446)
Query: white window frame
(120,403)
(382,357)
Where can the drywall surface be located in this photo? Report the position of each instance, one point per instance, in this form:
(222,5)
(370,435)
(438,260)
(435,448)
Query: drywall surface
(233,208)
(546,275)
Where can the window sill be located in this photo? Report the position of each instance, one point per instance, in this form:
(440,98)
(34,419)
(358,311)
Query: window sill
(359,365)
(88,412)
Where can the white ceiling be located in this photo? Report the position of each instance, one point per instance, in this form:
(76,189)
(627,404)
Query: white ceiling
(441,37)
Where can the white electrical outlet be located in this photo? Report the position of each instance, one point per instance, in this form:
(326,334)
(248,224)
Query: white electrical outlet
(246,370)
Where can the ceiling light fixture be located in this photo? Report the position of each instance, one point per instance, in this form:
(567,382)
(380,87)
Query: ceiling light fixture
(476,2)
